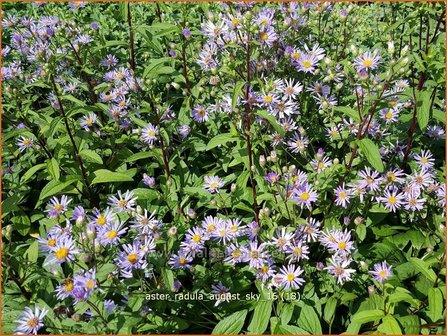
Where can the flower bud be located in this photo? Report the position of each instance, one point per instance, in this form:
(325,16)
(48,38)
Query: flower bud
(267,211)
(233,187)
(191,213)
(213,202)
(336,161)
(292,168)
(273,156)
(371,289)
(172,231)
(262,161)
(139,210)
(391,47)
(358,220)
(175,85)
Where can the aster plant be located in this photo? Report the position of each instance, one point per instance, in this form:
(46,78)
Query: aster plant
(223,168)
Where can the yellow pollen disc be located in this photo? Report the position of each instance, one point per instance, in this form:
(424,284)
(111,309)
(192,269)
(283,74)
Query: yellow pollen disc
(132,258)
(254,254)
(69,287)
(290,277)
(150,133)
(388,115)
(320,165)
(392,200)
(201,112)
(367,62)
(297,250)
(182,261)
(58,207)
(211,227)
(122,203)
(342,195)
(222,233)
(122,104)
(51,242)
(62,253)
(236,253)
(296,55)
(32,323)
(307,64)
(111,234)
(382,274)
(264,269)
(90,284)
(101,220)
(424,160)
(391,177)
(235,21)
(26,142)
(268,99)
(393,103)
(341,245)
(264,36)
(304,196)
(213,185)
(89,121)
(120,76)
(107,97)
(196,238)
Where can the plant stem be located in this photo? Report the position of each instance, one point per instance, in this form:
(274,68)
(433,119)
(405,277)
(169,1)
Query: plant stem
(131,40)
(248,127)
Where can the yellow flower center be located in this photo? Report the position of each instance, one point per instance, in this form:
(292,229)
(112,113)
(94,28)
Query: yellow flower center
(27,142)
(388,115)
(211,227)
(122,203)
(297,250)
(51,242)
(304,196)
(367,62)
(307,64)
(182,261)
(342,195)
(90,284)
(100,220)
(392,199)
(69,286)
(341,245)
(320,165)
(264,36)
(382,274)
(32,323)
(151,133)
(58,207)
(268,99)
(295,55)
(235,21)
(424,160)
(111,234)
(213,185)
(196,238)
(290,277)
(132,258)
(236,254)
(89,121)
(62,253)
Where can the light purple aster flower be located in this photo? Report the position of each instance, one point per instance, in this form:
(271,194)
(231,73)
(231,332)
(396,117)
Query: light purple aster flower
(290,277)
(338,268)
(30,321)
(382,271)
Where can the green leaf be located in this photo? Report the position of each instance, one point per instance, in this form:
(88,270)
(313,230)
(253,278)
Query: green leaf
(389,326)
(290,330)
(370,150)
(146,194)
(139,156)
(220,139)
(411,324)
(168,278)
(53,169)
(435,304)
(423,268)
(31,172)
(237,89)
(309,320)
(261,317)
(423,111)
(367,316)
(231,324)
(54,187)
(32,252)
(350,112)
(91,156)
(106,176)
(329,309)
(272,120)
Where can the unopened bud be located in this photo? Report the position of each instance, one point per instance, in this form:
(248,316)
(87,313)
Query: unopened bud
(172,231)
(233,187)
(139,210)
(262,160)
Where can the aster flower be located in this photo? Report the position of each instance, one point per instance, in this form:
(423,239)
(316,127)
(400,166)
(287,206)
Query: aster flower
(111,233)
(425,159)
(255,255)
(149,134)
(79,215)
(414,202)
(297,251)
(24,143)
(132,257)
(199,114)
(370,179)
(65,289)
(382,271)
(268,36)
(282,239)
(98,219)
(290,277)
(272,178)
(234,254)
(421,179)
(291,89)
(298,144)
(392,199)
(146,224)
(88,121)
(342,246)
(75,5)
(213,183)
(389,115)
(30,321)
(222,232)
(343,196)
(234,225)
(222,293)
(304,196)
(394,176)
(63,251)
(180,261)
(435,132)
(310,231)
(124,202)
(307,63)
(266,271)
(338,268)
(57,207)
(86,282)
(109,61)
(320,165)
(184,131)
(368,61)
(210,224)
